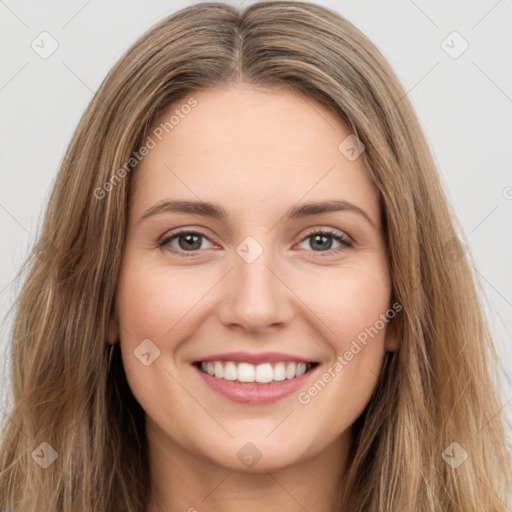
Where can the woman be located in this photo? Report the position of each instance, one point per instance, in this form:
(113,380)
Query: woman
(245,294)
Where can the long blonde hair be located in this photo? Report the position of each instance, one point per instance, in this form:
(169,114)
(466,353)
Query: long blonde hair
(440,387)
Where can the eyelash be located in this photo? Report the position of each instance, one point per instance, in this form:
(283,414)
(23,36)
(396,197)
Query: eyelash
(345,241)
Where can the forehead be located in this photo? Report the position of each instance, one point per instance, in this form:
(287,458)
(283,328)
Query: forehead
(248,146)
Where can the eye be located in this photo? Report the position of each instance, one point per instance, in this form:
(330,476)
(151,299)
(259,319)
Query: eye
(187,241)
(192,241)
(323,241)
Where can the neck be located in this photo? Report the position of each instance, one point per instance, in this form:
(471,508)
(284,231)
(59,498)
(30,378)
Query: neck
(184,482)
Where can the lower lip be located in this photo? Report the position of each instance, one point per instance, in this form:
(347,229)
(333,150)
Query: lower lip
(255,394)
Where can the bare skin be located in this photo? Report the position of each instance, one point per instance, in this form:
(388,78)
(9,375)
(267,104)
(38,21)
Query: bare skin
(256,153)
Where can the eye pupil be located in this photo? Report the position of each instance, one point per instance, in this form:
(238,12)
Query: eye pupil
(189,237)
(322,244)
(191,242)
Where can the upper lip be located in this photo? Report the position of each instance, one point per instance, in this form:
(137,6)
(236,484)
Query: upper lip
(253,358)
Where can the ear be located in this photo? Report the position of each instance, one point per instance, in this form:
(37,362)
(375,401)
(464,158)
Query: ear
(113,331)
(391,343)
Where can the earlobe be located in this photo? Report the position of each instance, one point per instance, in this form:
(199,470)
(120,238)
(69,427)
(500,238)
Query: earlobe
(113,331)
(391,343)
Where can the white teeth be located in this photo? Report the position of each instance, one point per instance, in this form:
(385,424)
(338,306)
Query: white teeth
(264,373)
(279,372)
(230,371)
(245,372)
(261,373)
(291,369)
(301,369)
(219,370)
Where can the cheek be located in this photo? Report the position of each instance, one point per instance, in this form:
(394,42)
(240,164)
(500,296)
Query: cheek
(160,304)
(152,300)
(348,302)
(152,304)
(353,309)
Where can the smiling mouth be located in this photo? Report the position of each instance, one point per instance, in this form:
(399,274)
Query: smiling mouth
(247,373)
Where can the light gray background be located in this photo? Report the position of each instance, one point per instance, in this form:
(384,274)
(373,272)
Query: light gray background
(464,105)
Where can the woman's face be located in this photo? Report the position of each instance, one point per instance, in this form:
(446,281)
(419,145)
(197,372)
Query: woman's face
(264,281)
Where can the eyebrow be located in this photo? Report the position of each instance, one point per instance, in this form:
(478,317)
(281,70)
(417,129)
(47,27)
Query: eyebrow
(207,209)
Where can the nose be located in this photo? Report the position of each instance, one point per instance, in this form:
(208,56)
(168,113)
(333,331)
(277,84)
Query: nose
(255,296)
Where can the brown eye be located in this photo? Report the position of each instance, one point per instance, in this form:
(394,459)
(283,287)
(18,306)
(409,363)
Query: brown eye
(187,241)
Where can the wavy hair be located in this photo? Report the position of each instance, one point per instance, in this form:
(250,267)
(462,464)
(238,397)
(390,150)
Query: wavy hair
(440,387)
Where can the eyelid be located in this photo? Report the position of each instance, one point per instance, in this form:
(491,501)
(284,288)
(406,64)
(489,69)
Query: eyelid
(345,240)
(164,240)
(327,230)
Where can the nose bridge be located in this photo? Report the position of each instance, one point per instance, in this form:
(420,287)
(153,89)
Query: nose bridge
(256,297)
